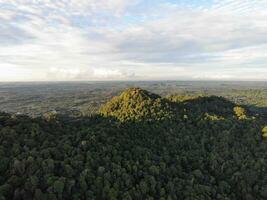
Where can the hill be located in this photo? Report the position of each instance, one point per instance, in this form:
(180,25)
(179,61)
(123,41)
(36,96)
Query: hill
(135,104)
(212,107)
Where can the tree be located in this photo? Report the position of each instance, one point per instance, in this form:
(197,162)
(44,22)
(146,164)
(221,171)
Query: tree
(264,131)
(59,187)
(240,112)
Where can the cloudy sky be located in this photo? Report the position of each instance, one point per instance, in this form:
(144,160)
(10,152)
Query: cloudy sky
(54,40)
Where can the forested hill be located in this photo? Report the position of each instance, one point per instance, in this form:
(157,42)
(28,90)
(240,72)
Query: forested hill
(139,146)
(135,104)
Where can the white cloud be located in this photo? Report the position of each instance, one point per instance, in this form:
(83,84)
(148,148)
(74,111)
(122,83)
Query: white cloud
(65,74)
(213,76)
(77,73)
(10,72)
(122,39)
(103,73)
(240,6)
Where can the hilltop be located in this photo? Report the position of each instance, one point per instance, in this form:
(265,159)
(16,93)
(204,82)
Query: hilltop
(136,104)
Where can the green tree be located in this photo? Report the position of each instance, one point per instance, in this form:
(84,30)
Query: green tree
(240,112)
(59,187)
(264,132)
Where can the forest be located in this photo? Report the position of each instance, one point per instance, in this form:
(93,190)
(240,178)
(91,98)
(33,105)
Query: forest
(140,145)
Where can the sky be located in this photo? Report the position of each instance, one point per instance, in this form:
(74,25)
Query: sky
(87,40)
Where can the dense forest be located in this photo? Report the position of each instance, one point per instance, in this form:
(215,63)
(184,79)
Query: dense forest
(138,146)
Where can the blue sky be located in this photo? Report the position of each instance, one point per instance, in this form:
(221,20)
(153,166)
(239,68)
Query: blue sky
(73,40)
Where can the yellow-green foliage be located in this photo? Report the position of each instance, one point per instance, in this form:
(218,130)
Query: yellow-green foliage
(240,112)
(135,104)
(182,98)
(213,117)
(264,132)
(50,116)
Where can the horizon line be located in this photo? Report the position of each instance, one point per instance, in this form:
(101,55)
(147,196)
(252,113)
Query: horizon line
(142,80)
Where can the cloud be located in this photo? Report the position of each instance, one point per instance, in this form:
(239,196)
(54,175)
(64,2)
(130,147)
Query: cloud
(10,72)
(65,73)
(240,6)
(7,36)
(214,76)
(122,39)
(103,73)
(88,74)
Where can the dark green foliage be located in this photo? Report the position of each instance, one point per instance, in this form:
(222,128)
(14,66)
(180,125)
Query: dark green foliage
(193,157)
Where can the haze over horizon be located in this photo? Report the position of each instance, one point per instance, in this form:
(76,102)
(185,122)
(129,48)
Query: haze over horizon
(77,40)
